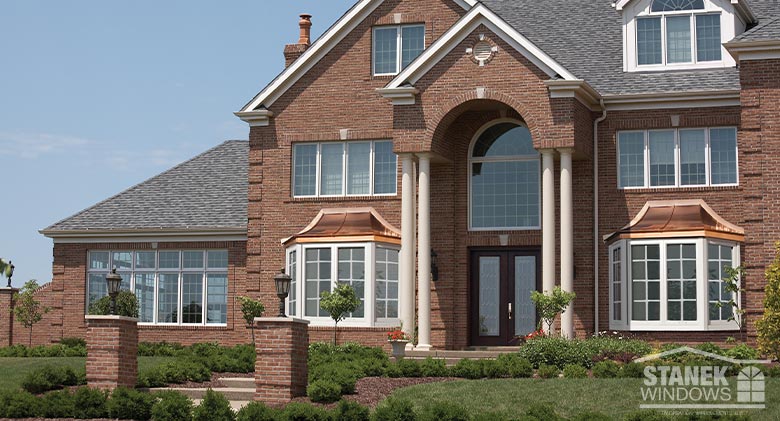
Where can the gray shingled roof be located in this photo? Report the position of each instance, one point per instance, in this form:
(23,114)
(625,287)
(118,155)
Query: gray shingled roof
(766,30)
(585,36)
(207,192)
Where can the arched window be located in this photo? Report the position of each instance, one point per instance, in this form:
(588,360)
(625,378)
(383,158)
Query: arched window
(676,5)
(504,178)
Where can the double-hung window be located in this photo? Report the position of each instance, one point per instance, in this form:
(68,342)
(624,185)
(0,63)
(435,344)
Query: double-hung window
(677,158)
(396,46)
(360,168)
(678,32)
(186,287)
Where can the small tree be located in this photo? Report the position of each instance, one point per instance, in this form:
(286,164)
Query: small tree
(4,267)
(250,309)
(126,305)
(28,310)
(732,285)
(550,305)
(339,304)
(768,327)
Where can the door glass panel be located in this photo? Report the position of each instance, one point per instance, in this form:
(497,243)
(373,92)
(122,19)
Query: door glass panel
(489,293)
(525,282)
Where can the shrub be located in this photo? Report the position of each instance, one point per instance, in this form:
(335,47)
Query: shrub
(409,368)
(556,351)
(213,407)
(632,370)
(772,371)
(768,326)
(298,411)
(606,369)
(743,352)
(468,369)
(128,404)
(158,349)
(493,369)
(572,371)
(90,403)
(49,378)
(351,411)
(444,411)
(172,406)
(394,409)
(393,371)
(516,366)
(59,404)
(324,391)
(73,342)
(16,404)
(256,411)
(433,368)
(126,305)
(548,371)
(342,374)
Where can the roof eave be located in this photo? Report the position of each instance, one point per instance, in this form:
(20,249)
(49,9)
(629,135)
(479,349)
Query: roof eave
(141,232)
(754,50)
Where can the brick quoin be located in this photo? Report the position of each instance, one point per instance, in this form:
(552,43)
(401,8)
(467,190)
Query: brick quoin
(112,352)
(281,367)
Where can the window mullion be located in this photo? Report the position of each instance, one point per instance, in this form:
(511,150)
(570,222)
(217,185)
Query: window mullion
(664,49)
(694,41)
(371,160)
(677,159)
(702,283)
(663,279)
(399,52)
(647,158)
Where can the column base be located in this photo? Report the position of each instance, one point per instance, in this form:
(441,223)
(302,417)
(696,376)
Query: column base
(423,347)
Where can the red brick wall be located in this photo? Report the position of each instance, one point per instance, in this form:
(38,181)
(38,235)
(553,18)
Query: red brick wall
(281,367)
(7,316)
(112,352)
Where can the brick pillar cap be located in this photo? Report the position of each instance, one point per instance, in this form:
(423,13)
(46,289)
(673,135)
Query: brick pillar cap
(90,317)
(6,290)
(280,320)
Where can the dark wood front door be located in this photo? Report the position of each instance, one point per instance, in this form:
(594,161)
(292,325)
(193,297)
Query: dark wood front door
(501,285)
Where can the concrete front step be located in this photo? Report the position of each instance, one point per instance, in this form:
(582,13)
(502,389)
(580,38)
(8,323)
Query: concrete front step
(238,382)
(231,393)
(481,354)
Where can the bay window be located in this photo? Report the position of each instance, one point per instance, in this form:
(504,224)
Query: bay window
(186,287)
(344,169)
(671,284)
(677,158)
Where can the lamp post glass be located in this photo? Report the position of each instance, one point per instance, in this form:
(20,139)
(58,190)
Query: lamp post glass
(113,282)
(282,281)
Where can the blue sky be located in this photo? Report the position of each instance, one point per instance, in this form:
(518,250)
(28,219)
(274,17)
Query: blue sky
(96,96)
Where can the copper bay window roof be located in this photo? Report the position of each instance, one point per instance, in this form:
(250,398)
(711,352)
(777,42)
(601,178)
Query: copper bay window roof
(678,218)
(347,225)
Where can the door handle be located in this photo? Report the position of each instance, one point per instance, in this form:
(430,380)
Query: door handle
(510,311)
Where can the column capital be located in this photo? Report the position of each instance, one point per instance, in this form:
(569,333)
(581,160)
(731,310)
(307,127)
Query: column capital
(566,151)
(424,155)
(547,151)
(405,155)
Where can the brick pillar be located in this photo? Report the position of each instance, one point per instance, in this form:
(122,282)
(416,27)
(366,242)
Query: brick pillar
(281,368)
(112,351)
(7,316)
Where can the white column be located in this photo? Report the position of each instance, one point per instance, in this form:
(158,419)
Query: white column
(567,241)
(424,255)
(406,287)
(548,221)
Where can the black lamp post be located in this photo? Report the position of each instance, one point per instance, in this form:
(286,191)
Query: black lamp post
(10,272)
(434,266)
(283,282)
(113,282)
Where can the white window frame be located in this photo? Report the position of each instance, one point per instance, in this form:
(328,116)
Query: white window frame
(344,170)
(369,318)
(399,46)
(527,158)
(678,158)
(731,25)
(702,322)
(204,271)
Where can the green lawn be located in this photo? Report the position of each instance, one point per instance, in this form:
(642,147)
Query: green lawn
(14,369)
(510,397)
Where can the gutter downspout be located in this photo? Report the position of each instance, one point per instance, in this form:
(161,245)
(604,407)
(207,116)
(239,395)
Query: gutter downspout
(596,215)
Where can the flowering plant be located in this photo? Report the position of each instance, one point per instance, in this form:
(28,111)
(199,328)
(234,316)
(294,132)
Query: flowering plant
(397,335)
(535,334)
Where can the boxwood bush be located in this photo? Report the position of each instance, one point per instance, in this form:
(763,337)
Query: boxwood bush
(256,411)
(561,351)
(325,391)
(171,406)
(50,378)
(572,371)
(548,371)
(214,407)
(606,369)
(516,365)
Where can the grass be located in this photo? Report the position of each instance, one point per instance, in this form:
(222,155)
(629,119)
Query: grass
(15,369)
(511,397)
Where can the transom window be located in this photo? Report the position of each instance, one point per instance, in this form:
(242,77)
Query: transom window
(370,268)
(678,32)
(344,168)
(671,284)
(504,173)
(172,286)
(677,158)
(395,47)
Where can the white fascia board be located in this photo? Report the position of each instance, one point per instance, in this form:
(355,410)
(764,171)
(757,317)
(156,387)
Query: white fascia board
(319,49)
(754,50)
(740,6)
(148,235)
(704,99)
(619,5)
(479,15)
(578,89)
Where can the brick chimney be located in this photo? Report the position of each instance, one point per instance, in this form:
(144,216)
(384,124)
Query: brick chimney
(293,51)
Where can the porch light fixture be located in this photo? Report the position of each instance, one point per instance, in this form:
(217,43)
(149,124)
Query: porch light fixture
(10,272)
(282,281)
(114,283)
(434,266)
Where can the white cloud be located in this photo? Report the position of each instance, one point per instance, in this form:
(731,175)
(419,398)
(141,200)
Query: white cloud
(33,145)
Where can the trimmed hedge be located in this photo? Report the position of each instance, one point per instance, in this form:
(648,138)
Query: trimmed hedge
(561,351)
(50,377)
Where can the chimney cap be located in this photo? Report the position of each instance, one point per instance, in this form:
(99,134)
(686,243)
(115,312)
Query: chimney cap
(305,25)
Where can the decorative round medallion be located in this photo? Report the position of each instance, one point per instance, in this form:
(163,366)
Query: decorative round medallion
(483,50)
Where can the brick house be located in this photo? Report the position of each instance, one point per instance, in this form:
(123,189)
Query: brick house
(446,158)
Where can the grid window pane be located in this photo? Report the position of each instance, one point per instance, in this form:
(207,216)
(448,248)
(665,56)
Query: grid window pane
(318,265)
(216,298)
(385,168)
(505,194)
(648,36)
(412,43)
(678,39)
(693,170)
(292,270)
(169,260)
(681,282)
(723,155)
(192,259)
(122,260)
(617,285)
(386,283)
(144,292)
(661,144)
(97,288)
(98,260)
(332,169)
(305,178)
(192,298)
(645,283)
(217,259)
(168,298)
(386,50)
(145,260)
(719,259)
(632,159)
(352,271)
(359,168)
(708,38)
